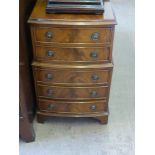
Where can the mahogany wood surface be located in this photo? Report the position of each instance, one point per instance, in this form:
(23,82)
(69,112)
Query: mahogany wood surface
(78,66)
(69,107)
(72,93)
(72,54)
(72,63)
(73,35)
(72,77)
(101,116)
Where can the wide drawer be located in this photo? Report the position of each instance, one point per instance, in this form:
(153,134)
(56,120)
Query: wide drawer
(73,35)
(72,107)
(72,93)
(72,54)
(72,77)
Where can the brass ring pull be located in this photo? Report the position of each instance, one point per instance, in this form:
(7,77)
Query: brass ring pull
(49,76)
(93,93)
(95,77)
(49,35)
(51,106)
(93,54)
(49,92)
(95,36)
(93,107)
(50,53)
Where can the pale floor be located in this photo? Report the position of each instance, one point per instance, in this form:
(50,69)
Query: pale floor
(85,136)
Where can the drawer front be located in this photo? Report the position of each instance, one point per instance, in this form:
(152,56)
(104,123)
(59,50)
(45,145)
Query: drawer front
(72,93)
(72,77)
(66,55)
(72,107)
(73,35)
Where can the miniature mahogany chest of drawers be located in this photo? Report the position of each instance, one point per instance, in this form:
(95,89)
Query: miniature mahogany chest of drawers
(72,62)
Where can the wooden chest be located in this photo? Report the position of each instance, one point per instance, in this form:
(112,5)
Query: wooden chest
(72,63)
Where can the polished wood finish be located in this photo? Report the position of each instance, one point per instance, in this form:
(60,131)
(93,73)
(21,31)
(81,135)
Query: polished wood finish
(72,93)
(72,54)
(72,63)
(26,95)
(80,66)
(72,35)
(73,77)
(69,107)
(101,116)
(103,119)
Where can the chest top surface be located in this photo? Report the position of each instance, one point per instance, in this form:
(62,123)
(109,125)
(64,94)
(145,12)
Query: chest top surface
(39,16)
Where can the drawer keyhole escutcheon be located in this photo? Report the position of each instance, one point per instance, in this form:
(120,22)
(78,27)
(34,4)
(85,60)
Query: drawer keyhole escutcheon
(49,92)
(95,77)
(93,107)
(50,53)
(49,35)
(95,36)
(51,106)
(93,93)
(93,54)
(49,76)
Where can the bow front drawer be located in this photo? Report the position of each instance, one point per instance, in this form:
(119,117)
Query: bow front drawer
(73,54)
(72,93)
(73,35)
(73,107)
(73,77)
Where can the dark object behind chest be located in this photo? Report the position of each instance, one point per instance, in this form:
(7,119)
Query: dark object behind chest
(75,6)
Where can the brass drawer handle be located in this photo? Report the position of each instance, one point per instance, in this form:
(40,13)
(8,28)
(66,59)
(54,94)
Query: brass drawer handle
(49,92)
(93,107)
(95,77)
(51,106)
(49,76)
(49,35)
(50,53)
(93,93)
(95,36)
(93,55)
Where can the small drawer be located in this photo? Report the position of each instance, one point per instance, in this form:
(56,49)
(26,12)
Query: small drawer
(73,35)
(72,93)
(71,55)
(72,77)
(72,107)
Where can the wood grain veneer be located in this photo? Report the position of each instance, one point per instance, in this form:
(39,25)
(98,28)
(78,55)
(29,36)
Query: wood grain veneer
(72,63)
(72,54)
